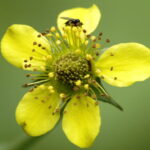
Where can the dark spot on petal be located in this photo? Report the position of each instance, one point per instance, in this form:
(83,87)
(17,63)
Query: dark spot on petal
(49,107)
(31,58)
(115,78)
(43,48)
(35,97)
(74,104)
(33,50)
(111,68)
(34,43)
(111,54)
(87,105)
(43,101)
(78,97)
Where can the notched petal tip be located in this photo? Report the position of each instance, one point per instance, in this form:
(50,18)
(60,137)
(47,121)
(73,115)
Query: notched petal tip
(90,17)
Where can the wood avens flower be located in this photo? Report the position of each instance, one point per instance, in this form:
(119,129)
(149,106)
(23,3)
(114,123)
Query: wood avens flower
(68,69)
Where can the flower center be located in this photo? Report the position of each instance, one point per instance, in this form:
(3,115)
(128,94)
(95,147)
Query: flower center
(71,68)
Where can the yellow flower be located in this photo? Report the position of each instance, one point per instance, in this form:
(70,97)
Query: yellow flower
(68,68)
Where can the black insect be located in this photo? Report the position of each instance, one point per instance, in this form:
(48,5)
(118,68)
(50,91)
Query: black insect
(72,22)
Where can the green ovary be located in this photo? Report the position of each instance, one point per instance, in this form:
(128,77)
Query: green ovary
(71,67)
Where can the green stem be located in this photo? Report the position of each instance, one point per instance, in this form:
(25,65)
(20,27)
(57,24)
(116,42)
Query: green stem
(23,143)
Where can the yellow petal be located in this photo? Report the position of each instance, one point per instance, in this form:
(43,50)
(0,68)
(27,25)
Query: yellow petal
(81,120)
(123,64)
(35,112)
(22,45)
(90,17)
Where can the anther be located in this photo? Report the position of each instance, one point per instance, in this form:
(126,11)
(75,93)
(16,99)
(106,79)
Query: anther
(52,29)
(62,95)
(51,74)
(58,42)
(25,66)
(86,86)
(28,75)
(25,61)
(49,57)
(39,45)
(84,31)
(101,33)
(43,33)
(86,42)
(57,35)
(89,57)
(107,41)
(98,71)
(87,76)
(39,35)
(93,38)
(51,89)
(78,51)
(42,87)
(96,45)
(31,58)
(78,83)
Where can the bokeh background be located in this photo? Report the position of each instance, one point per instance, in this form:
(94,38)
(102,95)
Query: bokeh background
(122,21)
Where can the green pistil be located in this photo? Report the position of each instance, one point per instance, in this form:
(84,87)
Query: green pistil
(70,68)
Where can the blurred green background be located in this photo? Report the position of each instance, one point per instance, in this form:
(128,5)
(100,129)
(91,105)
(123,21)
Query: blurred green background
(122,21)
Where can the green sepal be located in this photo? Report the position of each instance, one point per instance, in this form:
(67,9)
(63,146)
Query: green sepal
(105,97)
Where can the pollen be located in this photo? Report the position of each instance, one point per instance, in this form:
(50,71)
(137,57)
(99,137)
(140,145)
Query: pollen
(58,42)
(62,95)
(86,86)
(93,38)
(86,76)
(53,29)
(51,89)
(71,68)
(89,57)
(49,57)
(51,74)
(78,83)
(86,42)
(78,51)
(98,71)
